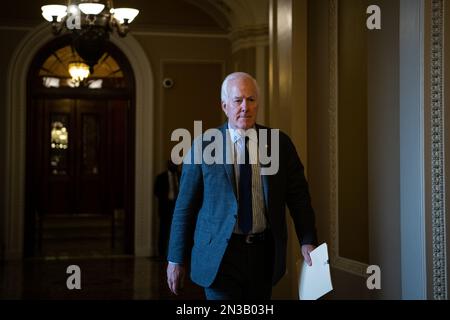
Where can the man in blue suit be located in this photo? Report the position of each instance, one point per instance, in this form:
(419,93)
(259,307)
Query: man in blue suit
(234,214)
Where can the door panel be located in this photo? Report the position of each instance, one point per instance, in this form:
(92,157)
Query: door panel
(79,173)
(91,157)
(57,147)
(117,159)
(79,150)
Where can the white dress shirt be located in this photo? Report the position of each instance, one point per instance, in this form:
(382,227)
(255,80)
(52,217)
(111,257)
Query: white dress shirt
(237,137)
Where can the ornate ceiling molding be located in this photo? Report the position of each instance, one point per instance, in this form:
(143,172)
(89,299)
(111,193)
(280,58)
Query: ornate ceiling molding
(250,37)
(217,10)
(236,14)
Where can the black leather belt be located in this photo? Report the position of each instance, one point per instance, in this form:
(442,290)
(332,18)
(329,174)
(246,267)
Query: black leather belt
(250,238)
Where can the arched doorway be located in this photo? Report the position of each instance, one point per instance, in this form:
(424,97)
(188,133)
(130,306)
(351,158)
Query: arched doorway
(16,101)
(80,155)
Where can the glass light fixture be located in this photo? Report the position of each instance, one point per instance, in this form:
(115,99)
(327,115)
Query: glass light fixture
(73,9)
(91,8)
(78,71)
(59,137)
(125,15)
(54,10)
(51,82)
(90,22)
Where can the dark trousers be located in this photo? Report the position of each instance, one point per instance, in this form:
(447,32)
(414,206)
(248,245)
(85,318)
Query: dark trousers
(245,272)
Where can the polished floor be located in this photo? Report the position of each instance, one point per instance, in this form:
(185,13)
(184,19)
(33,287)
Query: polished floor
(113,278)
(88,242)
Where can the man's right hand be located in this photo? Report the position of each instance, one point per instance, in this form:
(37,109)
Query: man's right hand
(175,277)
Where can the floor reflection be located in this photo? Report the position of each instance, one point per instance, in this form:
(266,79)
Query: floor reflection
(101,278)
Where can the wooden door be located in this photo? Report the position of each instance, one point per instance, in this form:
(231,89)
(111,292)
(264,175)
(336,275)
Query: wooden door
(73,145)
(78,159)
(91,168)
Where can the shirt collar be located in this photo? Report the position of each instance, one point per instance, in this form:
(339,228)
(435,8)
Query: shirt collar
(236,134)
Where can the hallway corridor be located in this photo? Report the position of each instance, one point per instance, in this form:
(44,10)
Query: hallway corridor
(116,278)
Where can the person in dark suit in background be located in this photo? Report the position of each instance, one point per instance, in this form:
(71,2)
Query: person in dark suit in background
(235,215)
(166,190)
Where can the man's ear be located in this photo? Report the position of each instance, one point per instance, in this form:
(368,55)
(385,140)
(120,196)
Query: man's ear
(224,106)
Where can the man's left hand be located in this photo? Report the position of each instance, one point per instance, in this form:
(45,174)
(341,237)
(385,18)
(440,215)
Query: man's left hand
(306,250)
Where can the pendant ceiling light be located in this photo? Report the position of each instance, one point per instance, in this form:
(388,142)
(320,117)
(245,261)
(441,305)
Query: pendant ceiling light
(90,23)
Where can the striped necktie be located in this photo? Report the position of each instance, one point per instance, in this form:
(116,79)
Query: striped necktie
(245,210)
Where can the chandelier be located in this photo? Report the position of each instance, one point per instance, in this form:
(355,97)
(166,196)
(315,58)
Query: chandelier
(78,71)
(89,22)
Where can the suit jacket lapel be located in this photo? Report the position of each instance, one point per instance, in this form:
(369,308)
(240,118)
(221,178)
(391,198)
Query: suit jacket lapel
(229,167)
(265,178)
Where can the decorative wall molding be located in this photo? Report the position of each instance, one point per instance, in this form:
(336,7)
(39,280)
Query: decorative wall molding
(15,28)
(144,217)
(337,261)
(144,31)
(16,101)
(250,37)
(333,129)
(179,34)
(437,152)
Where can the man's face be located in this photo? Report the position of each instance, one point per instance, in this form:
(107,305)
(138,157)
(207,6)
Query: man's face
(241,106)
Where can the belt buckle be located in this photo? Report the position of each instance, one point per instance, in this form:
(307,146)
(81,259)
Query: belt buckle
(249,238)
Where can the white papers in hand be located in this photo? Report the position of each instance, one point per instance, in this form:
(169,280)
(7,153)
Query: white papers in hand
(315,281)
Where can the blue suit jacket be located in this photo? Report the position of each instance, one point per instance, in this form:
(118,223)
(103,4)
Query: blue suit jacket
(207,207)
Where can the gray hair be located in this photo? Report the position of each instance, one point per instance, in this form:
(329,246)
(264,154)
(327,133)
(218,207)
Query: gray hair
(235,76)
